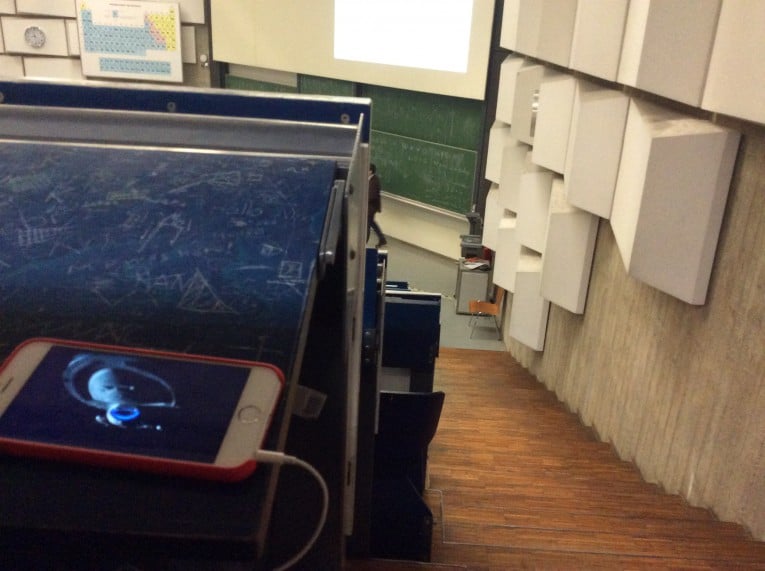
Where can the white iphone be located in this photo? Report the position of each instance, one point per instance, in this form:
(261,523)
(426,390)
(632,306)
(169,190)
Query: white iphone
(170,413)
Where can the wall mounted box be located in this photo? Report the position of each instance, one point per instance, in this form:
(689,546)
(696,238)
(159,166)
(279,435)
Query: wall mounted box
(736,80)
(667,47)
(527,84)
(556,31)
(595,147)
(533,207)
(507,253)
(569,248)
(506,89)
(499,137)
(597,43)
(556,102)
(63,8)
(670,198)
(54,30)
(516,160)
(491,217)
(528,315)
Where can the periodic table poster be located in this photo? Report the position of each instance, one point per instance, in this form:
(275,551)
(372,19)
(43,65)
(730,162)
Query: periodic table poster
(130,40)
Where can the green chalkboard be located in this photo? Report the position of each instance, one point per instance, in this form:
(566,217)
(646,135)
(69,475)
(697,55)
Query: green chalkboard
(424,145)
(246,84)
(325,86)
(308,84)
(440,119)
(438,175)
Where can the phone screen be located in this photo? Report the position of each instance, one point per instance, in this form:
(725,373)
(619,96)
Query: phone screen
(127,403)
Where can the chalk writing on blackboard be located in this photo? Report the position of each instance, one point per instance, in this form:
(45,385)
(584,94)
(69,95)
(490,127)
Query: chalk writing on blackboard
(451,121)
(200,297)
(434,174)
(159,247)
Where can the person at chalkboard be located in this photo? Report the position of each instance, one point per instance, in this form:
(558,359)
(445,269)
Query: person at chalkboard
(375,206)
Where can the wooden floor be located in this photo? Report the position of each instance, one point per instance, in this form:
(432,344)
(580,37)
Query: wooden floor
(517,482)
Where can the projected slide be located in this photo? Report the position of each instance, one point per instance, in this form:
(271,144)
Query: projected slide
(432,46)
(427,34)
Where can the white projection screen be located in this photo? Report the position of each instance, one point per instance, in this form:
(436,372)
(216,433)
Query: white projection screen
(435,46)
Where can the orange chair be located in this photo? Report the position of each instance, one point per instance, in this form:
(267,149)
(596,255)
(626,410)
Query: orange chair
(480,308)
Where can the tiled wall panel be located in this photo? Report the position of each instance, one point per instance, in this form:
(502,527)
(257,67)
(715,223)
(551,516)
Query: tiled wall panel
(735,83)
(529,311)
(670,198)
(569,247)
(595,147)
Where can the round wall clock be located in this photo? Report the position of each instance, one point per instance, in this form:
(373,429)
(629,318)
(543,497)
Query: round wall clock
(34,37)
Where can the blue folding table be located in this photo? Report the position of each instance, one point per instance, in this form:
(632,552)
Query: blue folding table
(206,221)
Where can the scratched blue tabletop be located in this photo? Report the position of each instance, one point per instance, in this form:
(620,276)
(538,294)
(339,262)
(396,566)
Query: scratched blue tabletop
(207,252)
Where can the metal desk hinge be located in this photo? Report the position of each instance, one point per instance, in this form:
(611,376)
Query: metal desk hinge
(369,347)
(333,224)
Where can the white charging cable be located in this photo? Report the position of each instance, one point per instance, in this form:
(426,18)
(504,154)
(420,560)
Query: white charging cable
(271,457)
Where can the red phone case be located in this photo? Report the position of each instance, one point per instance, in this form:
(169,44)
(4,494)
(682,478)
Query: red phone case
(132,462)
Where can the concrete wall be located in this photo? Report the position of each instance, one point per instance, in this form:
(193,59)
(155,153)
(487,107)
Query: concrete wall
(678,389)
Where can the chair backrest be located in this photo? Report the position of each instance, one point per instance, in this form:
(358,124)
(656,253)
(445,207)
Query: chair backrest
(499,293)
(488,307)
(408,422)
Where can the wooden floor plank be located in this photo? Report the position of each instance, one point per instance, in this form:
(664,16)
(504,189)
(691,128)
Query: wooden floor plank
(516,481)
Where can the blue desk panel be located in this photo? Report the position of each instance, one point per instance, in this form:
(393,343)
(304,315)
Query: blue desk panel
(205,252)
(223,102)
(412,330)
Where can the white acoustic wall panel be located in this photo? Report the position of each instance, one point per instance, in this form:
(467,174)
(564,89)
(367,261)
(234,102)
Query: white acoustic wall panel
(569,247)
(73,37)
(670,198)
(191,11)
(556,31)
(507,253)
(667,47)
(188,44)
(527,82)
(595,147)
(529,22)
(597,43)
(528,315)
(533,206)
(65,8)
(736,80)
(556,101)
(499,137)
(516,161)
(54,31)
(508,37)
(53,67)
(11,67)
(506,89)
(492,216)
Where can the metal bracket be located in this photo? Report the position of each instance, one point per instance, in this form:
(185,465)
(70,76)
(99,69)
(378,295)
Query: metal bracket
(333,224)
